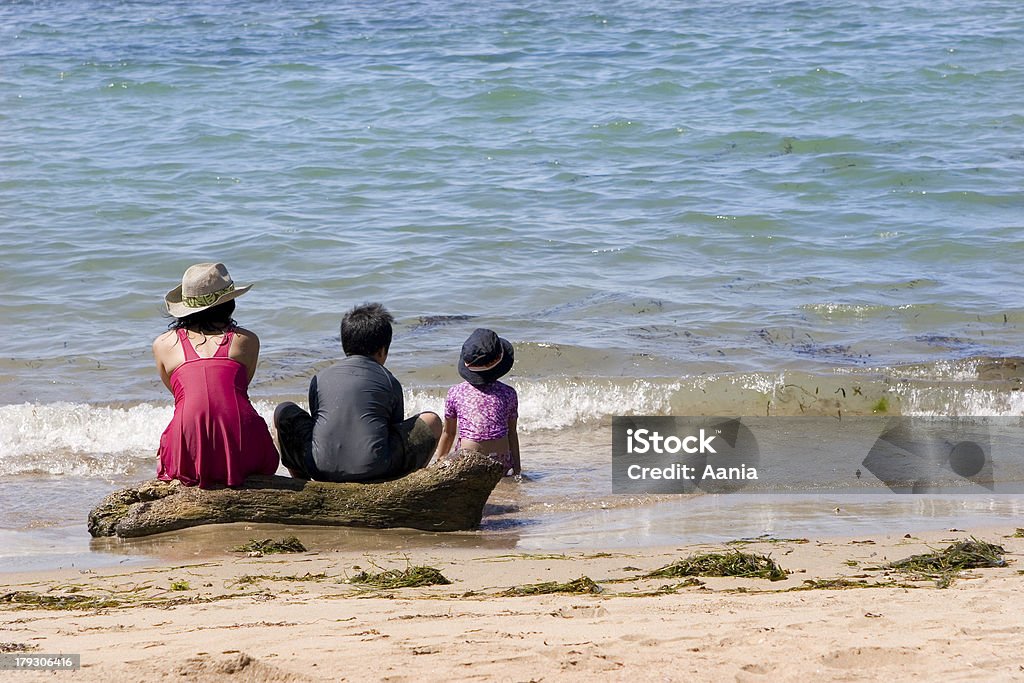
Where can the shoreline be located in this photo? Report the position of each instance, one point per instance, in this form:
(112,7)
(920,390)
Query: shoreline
(293,617)
(513,524)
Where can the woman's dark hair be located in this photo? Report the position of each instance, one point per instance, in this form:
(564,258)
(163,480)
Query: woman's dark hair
(365,330)
(211,321)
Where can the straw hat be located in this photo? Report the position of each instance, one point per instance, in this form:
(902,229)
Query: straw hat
(485,357)
(203,286)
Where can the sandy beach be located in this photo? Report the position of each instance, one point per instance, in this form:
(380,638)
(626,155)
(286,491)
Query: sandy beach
(300,617)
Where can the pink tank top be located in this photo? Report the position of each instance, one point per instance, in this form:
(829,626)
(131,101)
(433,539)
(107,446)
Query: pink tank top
(483,412)
(215,437)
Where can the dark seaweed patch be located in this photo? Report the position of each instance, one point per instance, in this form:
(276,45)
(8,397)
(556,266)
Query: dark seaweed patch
(740,564)
(580,586)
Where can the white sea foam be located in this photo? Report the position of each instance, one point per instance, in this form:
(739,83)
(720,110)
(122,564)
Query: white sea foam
(829,309)
(81,438)
(957,401)
(559,404)
(97,440)
(79,428)
(953,371)
(100,440)
(764,384)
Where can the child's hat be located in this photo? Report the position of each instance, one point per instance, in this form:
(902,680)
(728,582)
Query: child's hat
(485,357)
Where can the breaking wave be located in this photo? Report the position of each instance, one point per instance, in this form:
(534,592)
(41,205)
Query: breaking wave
(111,440)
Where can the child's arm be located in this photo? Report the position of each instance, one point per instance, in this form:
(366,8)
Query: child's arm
(444,444)
(513,446)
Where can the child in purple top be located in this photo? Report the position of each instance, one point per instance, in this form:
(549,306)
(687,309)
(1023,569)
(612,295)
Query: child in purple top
(481,413)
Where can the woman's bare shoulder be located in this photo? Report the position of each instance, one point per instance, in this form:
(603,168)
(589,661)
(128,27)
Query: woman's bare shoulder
(246,334)
(246,343)
(165,340)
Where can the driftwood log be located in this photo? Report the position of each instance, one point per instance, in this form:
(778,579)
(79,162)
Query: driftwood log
(446,498)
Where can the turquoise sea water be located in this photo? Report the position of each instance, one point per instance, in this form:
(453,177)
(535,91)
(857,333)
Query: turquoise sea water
(670,207)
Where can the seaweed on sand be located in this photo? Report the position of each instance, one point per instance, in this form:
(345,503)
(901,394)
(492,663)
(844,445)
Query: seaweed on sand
(676,587)
(766,539)
(58,601)
(834,584)
(943,566)
(581,586)
(17,647)
(72,600)
(269,546)
(250,579)
(410,577)
(740,564)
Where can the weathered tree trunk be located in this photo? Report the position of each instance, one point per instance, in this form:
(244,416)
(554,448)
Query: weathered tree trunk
(446,498)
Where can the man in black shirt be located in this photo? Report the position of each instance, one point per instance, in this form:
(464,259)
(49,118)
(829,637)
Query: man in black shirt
(355,429)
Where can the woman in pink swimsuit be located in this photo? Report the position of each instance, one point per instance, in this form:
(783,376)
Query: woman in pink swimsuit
(216,437)
(481,413)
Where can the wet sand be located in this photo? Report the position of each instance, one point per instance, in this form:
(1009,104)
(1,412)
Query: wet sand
(298,617)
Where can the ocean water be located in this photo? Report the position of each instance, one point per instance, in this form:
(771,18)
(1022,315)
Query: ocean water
(669,208)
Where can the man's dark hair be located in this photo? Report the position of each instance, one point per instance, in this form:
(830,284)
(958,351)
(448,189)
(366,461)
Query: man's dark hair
(365,330)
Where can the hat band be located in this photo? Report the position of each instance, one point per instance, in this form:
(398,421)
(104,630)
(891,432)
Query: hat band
(489,366)
(206,299)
